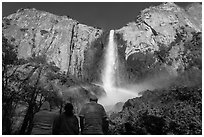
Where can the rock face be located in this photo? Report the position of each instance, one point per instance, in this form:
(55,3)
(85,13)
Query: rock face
(161,28)
(61,38)
(65,41)
(156,38)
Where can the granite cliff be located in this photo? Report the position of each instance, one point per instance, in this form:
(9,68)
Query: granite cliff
(160,29)
(157,37)
(61,38)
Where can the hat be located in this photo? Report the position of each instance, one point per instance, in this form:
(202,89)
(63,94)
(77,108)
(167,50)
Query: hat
(93,98)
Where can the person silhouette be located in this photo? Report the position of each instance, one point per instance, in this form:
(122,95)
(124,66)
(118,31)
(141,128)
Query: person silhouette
(42,122)
(66,123)
(93,118)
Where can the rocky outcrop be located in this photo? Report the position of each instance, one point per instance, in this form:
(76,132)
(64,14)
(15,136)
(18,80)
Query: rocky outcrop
(61,38)
(164,27)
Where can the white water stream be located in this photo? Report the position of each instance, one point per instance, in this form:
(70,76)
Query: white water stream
(110,64)
(114,93)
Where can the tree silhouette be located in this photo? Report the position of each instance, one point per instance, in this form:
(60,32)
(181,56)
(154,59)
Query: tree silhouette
(34,88)
(9,60)
(25,80)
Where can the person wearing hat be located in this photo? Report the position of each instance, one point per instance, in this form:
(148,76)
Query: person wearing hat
(66,123)
(92,118)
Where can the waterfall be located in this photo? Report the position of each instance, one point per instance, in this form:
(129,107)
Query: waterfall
(110,64)
(114,92)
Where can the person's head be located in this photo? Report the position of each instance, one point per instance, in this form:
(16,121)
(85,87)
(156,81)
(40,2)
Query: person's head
(69,109)
(45,106)
(93,98)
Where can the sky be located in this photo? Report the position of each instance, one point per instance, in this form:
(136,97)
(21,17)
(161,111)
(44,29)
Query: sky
(105,15)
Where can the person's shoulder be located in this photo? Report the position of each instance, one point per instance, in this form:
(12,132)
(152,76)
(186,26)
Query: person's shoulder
(100,105)
(74,116)
(52,114)
(57,116)
(92,104)
(86,105)
(60,117)
(42,113)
